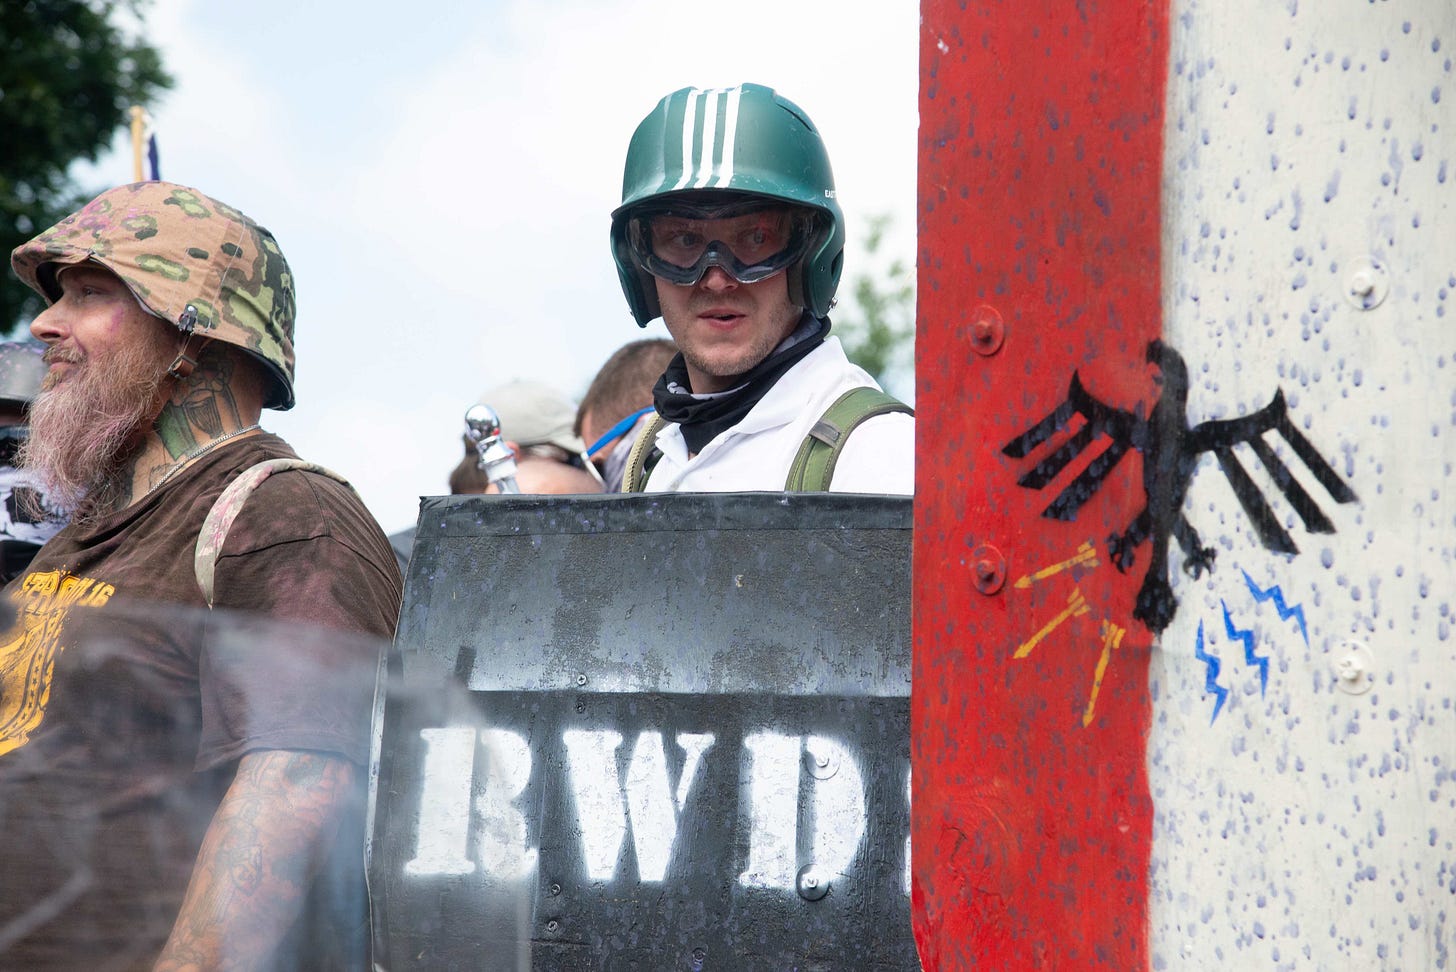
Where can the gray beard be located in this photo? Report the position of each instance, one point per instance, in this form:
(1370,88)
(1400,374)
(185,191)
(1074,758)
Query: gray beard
(84,429)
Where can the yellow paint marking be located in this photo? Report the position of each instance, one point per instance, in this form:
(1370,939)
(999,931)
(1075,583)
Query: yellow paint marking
(1085,555)
(1076,604)
(1111,640)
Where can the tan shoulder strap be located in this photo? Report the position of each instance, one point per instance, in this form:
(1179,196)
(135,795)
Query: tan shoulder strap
(220,518)
(634,480)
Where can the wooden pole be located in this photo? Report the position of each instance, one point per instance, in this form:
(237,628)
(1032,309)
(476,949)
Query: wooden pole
(138,126)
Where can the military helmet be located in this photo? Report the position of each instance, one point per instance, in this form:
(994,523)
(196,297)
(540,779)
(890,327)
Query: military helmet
(747,140)
(194,262)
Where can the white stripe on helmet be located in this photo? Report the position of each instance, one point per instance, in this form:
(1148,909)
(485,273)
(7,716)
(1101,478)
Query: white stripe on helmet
(730,133)
(710,137)
(690,117)
(703,170)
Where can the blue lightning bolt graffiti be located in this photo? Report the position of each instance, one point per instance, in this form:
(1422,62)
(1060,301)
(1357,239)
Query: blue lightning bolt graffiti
(1210,681)
(1277,596)
(1247,637)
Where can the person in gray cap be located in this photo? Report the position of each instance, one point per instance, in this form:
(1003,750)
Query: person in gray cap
(537,424)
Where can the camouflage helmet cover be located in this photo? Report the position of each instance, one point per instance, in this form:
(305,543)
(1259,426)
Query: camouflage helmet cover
(187,258)
(747,139)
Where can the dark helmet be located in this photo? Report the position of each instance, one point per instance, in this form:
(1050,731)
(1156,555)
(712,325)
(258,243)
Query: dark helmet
(22,368)
(21,371)
(746,141)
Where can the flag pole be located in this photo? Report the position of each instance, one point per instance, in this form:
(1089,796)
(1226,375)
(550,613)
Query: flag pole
(138,114)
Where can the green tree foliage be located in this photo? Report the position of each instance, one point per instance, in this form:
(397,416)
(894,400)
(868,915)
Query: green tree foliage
(69,70)
(877,324)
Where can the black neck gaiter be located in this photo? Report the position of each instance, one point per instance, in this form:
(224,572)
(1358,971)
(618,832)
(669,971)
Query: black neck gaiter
(704,417)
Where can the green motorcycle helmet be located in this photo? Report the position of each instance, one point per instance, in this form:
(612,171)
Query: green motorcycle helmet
(746,142)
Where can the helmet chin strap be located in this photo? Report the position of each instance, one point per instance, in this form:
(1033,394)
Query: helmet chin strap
(184,364)
(181,369)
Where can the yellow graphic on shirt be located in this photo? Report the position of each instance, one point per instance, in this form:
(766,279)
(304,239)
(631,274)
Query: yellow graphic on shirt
(31,647)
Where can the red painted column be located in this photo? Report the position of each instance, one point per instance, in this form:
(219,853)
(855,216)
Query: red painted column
(1040,167)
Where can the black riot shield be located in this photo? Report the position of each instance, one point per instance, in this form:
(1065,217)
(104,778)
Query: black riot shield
(648,732)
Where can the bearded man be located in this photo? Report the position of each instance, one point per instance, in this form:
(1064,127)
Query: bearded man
(177,790)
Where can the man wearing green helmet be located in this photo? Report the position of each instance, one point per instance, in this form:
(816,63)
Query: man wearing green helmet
(177,787)
(729,230)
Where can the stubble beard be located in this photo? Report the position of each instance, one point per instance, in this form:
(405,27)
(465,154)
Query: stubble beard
(85,427)
(727,362)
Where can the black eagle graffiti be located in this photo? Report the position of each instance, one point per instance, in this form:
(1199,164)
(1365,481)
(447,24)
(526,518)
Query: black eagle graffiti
(1171,452)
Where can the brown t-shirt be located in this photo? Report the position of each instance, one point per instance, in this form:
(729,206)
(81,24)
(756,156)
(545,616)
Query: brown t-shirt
(125,703)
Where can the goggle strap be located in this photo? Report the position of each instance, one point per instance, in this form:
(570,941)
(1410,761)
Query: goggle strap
(616,431)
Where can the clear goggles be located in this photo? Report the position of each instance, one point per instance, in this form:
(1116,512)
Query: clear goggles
(679,245)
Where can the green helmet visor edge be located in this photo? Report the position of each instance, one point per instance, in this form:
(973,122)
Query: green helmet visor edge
(678,244)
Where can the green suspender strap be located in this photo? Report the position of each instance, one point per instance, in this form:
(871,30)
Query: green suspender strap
(813,467)
(220,518)
(634,480)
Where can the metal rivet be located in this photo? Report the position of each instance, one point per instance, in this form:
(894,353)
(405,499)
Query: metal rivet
(1368,283)
(988,568)
(810,884)
(552,925)
(822,765)
(555,889)
(1353,663)
(987,332)
(581,680)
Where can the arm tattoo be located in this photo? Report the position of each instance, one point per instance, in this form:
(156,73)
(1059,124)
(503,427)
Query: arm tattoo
(262,849)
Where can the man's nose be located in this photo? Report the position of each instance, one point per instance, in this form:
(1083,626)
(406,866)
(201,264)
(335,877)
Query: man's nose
(49,325)
(715,278)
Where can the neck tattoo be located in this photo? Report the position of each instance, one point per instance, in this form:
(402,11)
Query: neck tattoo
(201,450)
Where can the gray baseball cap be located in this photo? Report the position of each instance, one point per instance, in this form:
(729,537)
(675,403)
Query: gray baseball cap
(532,413)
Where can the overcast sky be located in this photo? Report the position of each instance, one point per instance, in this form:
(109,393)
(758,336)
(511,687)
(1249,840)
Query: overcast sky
(440,177)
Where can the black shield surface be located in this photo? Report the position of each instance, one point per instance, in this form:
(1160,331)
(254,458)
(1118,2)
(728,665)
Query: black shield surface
(648,732)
